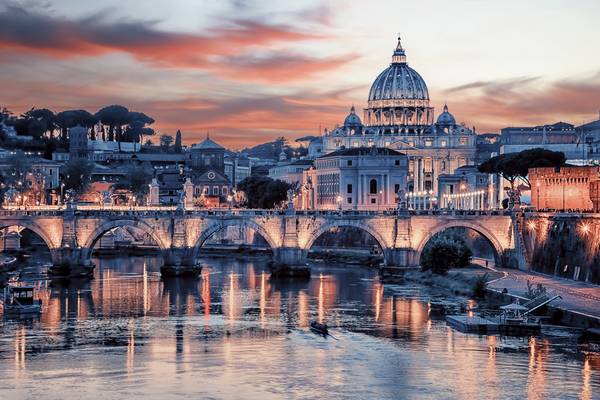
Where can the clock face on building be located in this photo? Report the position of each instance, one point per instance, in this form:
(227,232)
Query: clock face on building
(211,175)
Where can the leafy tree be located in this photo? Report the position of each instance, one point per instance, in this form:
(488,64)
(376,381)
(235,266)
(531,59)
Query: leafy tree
(68,119)
(138,179)
(177,147)
(76,175)
(41,121)
(263,192)
(165,142)
(136,128)
(444,252)
(115,117)
(14,175)
(513,166)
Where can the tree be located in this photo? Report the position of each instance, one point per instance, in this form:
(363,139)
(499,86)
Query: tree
(513,166)
(177,146)
(66,120)
(165,142)
(263,192)
(138,179)
(76,175)
(14,175)
(444,252)
(42,121)
(136,128)
(115,117)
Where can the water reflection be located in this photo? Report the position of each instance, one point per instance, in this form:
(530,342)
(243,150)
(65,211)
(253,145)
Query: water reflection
(235,327)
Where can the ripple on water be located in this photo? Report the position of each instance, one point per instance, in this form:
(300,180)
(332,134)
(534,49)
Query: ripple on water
(234,333)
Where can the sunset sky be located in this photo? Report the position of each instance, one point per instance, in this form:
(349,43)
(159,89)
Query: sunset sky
(250,71)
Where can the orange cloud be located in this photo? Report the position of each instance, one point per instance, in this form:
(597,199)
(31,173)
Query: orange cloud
(27,32)
(525,101)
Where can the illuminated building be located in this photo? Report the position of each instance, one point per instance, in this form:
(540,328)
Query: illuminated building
(399,116)
(564,188)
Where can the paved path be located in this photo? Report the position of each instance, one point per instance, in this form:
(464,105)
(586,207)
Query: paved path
(576,296)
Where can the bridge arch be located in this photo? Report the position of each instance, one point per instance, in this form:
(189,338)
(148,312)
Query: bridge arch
(480,229)
(314,235)
(52,242)
(219,226)
(97,233)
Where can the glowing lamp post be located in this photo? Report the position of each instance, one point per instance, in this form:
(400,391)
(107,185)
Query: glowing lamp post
(537,185)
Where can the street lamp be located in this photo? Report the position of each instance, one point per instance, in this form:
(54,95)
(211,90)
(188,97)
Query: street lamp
(62,189)
(537,185)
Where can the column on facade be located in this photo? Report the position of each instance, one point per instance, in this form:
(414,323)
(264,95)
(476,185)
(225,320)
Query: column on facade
(389,188)
(358,191)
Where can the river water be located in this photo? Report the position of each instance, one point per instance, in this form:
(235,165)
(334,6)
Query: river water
(235,334)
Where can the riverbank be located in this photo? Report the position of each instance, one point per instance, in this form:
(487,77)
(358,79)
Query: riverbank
(458,281)
(579,306)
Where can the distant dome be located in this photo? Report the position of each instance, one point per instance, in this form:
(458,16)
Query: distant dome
(399,81)
(446,118)
(352,120)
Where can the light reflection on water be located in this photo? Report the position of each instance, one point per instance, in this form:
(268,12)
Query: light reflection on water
(234,333)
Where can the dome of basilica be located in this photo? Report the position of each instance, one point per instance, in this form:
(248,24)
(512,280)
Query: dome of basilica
(446,118)
(352,120)
(399,81)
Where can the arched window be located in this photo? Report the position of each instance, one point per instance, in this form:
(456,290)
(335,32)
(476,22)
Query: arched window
(373,186)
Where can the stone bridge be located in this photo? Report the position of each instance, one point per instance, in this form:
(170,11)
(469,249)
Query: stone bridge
(72,231)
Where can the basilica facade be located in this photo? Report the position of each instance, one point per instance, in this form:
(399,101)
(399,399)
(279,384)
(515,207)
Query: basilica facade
(399,116)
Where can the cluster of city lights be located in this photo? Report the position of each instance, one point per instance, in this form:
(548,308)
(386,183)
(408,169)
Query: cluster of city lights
(419,194)
(464,195)
(584,228)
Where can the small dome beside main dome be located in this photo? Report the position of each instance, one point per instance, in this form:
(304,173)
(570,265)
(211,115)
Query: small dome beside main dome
(446,118)
(352,120)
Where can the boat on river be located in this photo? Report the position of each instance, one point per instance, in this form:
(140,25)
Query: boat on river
(20,300)
(319,328)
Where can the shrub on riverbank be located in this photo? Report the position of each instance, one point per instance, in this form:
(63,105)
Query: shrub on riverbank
(445,252)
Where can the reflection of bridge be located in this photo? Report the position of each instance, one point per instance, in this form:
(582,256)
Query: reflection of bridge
(72,232)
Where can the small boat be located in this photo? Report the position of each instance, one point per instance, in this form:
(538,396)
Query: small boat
(319,328)
(19,300)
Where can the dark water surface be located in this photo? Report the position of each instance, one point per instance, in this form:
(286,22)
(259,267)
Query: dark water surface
(235,334)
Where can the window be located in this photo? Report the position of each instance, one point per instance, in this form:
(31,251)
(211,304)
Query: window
(373,201)
(349,163)
(428,143)
(206,190)
(396,188)
(349,200)
(443,167)
(224,190)
(349,188)
(371,143)
(215,190)
(443,143)
(396,162)
(373,186)
(463,141)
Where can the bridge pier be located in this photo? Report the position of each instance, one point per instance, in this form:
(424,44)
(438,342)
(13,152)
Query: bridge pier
(290,262)
(396,262)
(179,262)
(69,262)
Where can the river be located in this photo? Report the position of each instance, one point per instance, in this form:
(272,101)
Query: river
(235,334)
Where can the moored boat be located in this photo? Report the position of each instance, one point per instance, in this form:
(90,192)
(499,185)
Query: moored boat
(19,300)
